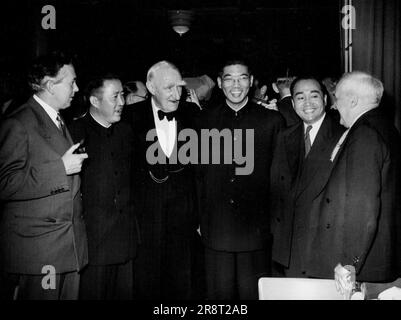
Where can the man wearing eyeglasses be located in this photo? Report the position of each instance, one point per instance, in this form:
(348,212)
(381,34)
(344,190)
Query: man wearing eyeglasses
(234,208)
(135,91)
(42,232)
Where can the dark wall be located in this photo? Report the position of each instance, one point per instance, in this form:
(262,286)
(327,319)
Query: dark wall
(128,36)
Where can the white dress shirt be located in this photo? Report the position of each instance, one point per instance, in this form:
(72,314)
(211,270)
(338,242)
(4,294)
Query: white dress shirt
(166,131)
(53,114)
(315,129)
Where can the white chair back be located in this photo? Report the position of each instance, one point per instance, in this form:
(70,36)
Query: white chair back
(297,289)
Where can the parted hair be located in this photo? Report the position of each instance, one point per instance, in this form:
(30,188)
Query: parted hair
(45,66)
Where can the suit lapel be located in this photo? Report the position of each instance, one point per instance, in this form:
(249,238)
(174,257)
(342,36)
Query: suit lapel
(294,149)
(318,158)
(49,130)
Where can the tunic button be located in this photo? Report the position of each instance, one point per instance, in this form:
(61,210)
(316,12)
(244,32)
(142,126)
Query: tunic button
(232,179)
(231,201)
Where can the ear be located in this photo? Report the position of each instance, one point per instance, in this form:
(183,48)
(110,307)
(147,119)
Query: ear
(275,88)
(219,82)
(94,101)
(325,99)
(251,81)
(150,87)
(354,101)
(48,85)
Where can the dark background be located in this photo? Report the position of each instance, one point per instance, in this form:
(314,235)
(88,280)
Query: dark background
(128,36)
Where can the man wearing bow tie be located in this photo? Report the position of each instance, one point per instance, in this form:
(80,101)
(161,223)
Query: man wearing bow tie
(42,231)
(165,200)
(359,210)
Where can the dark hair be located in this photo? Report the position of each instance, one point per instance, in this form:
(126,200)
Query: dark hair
(301,78)
(95,86)
(130,87)
(233,62)
(47,65)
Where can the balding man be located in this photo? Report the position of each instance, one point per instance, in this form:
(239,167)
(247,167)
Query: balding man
(164,192)
(357,221)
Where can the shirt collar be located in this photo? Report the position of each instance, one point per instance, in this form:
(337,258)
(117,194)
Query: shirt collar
(49,110)
(101,124)
(316,125)
(243,105)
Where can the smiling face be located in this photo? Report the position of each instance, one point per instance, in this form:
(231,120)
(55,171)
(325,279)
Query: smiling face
(309,100)
(235,83)
(110,101)
(166,88)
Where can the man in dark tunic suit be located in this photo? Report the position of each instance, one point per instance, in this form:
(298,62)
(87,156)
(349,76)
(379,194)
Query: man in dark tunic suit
(164,194)
(233,200)
(107,193)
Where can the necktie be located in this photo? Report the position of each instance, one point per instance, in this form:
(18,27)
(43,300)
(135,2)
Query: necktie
(307,140)
(169,115)
(61,125)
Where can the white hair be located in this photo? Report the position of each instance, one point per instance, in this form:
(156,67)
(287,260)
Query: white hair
(157,66)
(363,85)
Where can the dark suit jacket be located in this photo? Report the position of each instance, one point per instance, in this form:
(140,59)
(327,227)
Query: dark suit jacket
(234,208)
(357,220)
(165,206)
(41,222)
(296,181)
(286,109)
(107,190)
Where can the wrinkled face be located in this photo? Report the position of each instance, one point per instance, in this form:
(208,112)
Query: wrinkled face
(309,100)
(166,88)
(140,95)
(64,87)
(110,101)
(343,105)
(235,83)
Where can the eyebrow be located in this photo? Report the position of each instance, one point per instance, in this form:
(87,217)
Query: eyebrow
(302,92)
(230,75)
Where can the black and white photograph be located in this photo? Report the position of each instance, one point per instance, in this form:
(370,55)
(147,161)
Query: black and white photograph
(195,157)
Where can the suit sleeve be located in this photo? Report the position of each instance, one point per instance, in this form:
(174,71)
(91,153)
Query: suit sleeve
(19,178)
(364,159)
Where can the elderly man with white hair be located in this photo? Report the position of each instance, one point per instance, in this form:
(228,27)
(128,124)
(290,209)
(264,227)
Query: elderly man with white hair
(164,189)
(357,215)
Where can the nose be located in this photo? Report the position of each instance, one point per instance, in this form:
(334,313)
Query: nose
(120,100)
(177,93)
(76,89)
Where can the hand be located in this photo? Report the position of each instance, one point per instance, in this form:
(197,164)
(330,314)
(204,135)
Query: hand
(192,97)
(73,162)
(394,293)
(343,281)
(261,93)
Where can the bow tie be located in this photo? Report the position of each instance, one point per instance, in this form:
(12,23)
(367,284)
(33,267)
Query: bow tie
(169,115)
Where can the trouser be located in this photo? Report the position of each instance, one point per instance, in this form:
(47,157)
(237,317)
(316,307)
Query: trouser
(107,282)
(235,275)
(63,286)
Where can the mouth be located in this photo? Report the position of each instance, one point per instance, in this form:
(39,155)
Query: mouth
(309,111)
(236,94)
